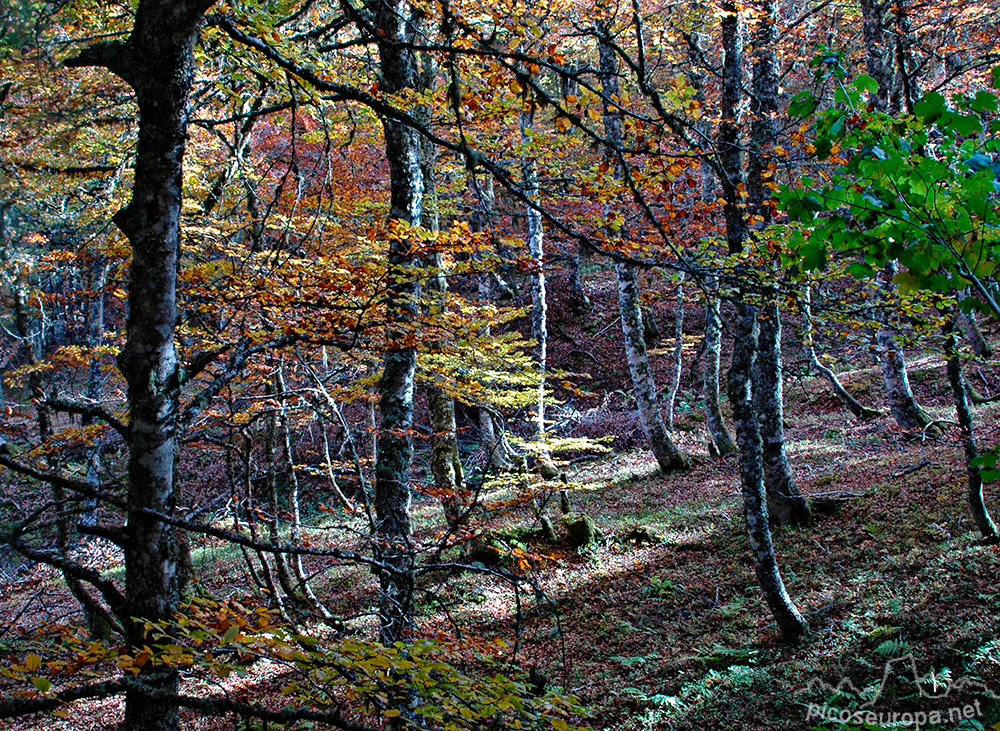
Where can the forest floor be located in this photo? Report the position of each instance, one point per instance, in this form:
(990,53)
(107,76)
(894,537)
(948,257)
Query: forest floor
(660,623)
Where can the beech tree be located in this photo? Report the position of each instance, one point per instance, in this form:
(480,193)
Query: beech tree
(667,455)
(740,384)
(157,62)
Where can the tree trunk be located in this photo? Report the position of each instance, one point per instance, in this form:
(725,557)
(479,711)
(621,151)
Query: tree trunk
(740,381)
(393,532)
(281,568)
(877,61)
(498,450)
(721,437)
(908,85)
(904,407)
(785,503)
(677,354)
(95,339)
(667,455)
(446,465)
(956,379)
(878,58)
(579,301)
(539,302)
(861,412)
(157,61)
(973,334)
(765,563)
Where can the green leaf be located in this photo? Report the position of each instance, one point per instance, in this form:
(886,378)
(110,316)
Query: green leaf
(930,108)
(823,147)
(814,258)
(985,102)
(802,105)
(42,685)
(866,83)
(859,270)
(231,634)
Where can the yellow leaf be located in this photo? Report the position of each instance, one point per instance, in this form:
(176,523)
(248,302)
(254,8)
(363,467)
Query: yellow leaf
(33,662)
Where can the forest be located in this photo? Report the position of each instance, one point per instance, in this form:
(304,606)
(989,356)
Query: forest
(436,364)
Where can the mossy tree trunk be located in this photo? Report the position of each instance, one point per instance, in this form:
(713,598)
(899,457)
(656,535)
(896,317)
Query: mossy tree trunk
(786,505)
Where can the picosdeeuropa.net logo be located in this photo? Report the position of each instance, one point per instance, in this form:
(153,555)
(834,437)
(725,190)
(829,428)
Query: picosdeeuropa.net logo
(931,699)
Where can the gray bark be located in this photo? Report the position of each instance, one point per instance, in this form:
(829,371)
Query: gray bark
(677,353)
(495,444)
(539,304)
(499,452)
(861,412)
(157,61)
(95,338)
(973,334)
(956,379)
(877,59)
(790,622)
(393,531)
(539,301)
(667,455)
(785,503)
(740,380)
(446,464)
(721,437)
(904,407)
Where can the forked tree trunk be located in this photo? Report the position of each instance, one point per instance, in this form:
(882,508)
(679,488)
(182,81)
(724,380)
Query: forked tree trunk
(765,563)
(956,380)
(667,455)
(786,505)
(740,381)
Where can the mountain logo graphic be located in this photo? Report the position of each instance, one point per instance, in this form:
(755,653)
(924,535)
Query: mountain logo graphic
(930,686)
